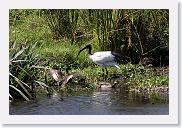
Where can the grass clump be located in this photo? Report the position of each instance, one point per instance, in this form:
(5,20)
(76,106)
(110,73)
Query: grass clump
(63,54)
(21,72)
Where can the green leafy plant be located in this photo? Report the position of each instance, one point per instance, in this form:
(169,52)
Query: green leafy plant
(21,72)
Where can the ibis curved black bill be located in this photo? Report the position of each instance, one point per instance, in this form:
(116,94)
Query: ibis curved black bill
(89,47)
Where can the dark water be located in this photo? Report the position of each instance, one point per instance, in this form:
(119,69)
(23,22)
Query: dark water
(101,102)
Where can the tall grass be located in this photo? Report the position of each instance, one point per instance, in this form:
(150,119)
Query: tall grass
(63,23)
(28,26)
(136,33)
(21,72)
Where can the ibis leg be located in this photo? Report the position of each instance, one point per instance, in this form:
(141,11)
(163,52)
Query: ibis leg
(106,71)
(103,72)
(105,77)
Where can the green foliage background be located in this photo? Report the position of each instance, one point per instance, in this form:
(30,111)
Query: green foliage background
(59,34)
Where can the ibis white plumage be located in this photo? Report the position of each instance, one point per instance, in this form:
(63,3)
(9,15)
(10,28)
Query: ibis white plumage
(103,58)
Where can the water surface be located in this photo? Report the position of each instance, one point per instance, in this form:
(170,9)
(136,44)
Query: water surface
(100,102)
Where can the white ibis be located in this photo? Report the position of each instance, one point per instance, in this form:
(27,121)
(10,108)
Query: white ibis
(103,58)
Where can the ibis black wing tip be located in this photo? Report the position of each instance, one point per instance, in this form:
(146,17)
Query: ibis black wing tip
(119,57)
(116,55)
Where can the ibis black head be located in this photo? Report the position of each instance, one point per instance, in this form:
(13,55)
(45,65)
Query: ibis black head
(88,46)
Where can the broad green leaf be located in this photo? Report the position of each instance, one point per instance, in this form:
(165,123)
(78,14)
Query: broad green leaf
(20,80)
(22,85)
(17,54)
(20,92)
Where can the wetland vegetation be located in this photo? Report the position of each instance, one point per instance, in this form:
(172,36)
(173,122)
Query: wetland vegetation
(44,39)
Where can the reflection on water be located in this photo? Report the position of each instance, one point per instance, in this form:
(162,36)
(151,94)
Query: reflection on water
(101,102)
